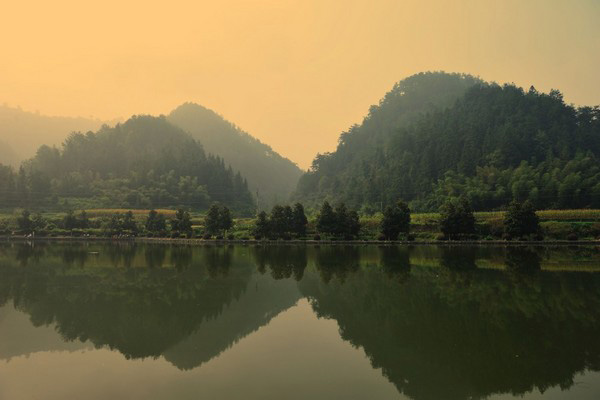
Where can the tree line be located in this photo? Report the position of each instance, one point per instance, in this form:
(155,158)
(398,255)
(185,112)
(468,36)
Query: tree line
(456,222)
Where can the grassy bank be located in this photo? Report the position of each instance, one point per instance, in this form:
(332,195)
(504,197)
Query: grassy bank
(556,225)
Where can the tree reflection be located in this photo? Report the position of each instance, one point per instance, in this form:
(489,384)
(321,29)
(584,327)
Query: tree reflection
(283,261)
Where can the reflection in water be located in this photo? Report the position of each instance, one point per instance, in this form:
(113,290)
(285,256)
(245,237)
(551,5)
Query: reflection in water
(440,322)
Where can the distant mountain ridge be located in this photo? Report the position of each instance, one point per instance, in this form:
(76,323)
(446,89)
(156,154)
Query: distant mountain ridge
(274,177)
(23,131)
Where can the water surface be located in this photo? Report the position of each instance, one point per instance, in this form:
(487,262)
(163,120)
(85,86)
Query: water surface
(135,321)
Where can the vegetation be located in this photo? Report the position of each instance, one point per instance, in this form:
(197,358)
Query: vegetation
(284,222)
(521,221)
(292,222)
(144,163)
(457,220)
(270,175)
(437,137)
(339,222)
(218,220)
(396,220)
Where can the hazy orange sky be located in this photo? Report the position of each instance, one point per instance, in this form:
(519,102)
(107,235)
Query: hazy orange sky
(294,73)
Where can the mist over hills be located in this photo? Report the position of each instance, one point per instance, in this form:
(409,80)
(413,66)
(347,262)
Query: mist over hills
(146,162)
(22,132)
(274,177)
(437,136)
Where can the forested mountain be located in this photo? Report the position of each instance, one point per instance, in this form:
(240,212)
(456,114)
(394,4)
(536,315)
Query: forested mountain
(23,132)
(437,136)
(145,162)
(273,176)
(7,154)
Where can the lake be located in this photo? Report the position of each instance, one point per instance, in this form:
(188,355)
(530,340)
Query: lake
(153,321)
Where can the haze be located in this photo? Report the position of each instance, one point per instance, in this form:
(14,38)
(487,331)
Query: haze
(292,73)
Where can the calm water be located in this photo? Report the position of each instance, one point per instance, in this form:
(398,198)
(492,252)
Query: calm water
(102,321)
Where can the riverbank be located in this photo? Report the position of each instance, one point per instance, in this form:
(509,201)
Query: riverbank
(199,241)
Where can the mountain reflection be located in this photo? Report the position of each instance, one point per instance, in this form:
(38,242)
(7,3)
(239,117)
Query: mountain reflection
(441,322)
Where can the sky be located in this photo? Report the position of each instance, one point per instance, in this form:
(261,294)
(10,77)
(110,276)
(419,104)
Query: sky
(293,73)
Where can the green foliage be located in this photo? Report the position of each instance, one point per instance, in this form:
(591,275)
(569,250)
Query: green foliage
(271,174)
(299,220)
(283,223)
(262,227)
(182,223)
(395,220)
(143,163)
(326,220)
(218,219)
(24,222)
(437,137)
(155,223)
(338,222)
(457,219)
(521,221)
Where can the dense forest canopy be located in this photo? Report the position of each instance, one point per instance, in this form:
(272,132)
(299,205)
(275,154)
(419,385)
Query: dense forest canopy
(437,136)
(271,175)
(143,163)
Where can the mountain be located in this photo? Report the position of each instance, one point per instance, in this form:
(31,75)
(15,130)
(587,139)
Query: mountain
(25,131)
(439,136)
(145,162)
(7,154)
(271,175)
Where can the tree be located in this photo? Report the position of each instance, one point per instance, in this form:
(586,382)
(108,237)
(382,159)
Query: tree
(70,221)
(218,219)
(155,223)
(182,222)
(278,221)
(83,221)
(352,224)
(457,220)
(396,220)
(326,220)
(341,220)
(38,222)
(299,220)
(211,221)
(262,226)
(521,220)
(24,222)
(225,219)
(128,223)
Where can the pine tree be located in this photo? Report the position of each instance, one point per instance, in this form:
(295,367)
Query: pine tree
(261,227)
(299,220)
(326,220)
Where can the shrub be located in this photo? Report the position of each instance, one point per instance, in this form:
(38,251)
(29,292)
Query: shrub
(410,237)
(219,237)
(207,236)
(258,237)
(381,238)
(556,230)
(230,236)
(317,237)
(572,236)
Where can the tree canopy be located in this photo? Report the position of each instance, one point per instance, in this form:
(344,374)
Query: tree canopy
(439,136)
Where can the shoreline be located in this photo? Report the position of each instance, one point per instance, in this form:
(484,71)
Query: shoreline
(197,241)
